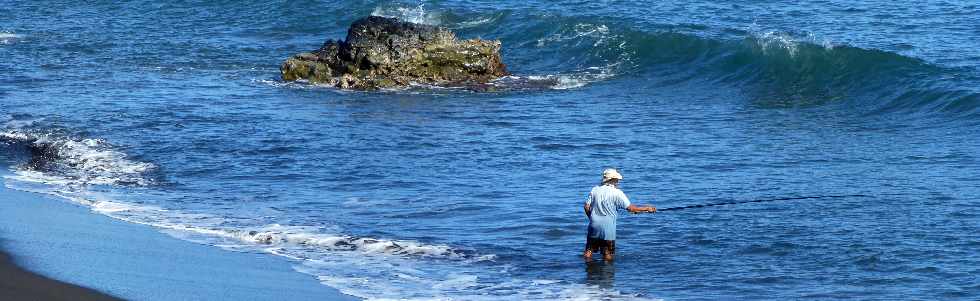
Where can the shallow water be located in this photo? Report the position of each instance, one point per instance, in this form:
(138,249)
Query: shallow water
(172,115)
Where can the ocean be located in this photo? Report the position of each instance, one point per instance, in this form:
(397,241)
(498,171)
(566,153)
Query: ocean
(173,115)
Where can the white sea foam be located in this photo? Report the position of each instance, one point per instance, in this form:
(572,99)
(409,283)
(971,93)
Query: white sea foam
(298,84)
(207,228)
(303,84)
(58,159)
(827,44)
(772,42)
(415,14)
(9,38)
(564,81)
(601,40)
(476,22)
(465,287)
(599,32)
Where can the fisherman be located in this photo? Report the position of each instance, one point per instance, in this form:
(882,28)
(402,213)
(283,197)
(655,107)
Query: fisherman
(601,209)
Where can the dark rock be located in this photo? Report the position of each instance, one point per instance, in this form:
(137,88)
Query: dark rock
(387,53)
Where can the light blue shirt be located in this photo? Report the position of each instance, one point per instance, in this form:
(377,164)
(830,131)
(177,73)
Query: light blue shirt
(605,201)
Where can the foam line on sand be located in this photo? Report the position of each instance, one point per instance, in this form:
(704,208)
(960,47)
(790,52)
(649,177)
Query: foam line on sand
(69,243)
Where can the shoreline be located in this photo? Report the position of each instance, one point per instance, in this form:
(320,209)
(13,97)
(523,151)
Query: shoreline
(67,250)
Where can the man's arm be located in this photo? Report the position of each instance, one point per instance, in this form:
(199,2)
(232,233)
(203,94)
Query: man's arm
(637,209)
(588,206)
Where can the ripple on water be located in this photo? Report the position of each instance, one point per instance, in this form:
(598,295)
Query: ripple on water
(555,146)
(554,233)
(773,249)
(700,240)
(868,261)
(770,280)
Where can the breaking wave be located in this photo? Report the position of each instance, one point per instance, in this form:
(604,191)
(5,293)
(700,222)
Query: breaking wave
(416,14)
(61,159)
(773,68)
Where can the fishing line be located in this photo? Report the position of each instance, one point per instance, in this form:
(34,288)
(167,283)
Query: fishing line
(762,201)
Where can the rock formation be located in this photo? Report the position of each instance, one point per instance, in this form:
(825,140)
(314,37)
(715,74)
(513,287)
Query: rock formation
(384,52)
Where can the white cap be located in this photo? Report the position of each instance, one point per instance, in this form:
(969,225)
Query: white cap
(609,174)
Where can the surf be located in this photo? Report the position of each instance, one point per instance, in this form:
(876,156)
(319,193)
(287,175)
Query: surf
(775,69)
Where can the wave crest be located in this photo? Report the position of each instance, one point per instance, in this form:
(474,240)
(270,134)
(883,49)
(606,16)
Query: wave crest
(775,69)
(416,14)
(60,159)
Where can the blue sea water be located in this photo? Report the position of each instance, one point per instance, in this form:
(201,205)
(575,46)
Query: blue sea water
(173,115)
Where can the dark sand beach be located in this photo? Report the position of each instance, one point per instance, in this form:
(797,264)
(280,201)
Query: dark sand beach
(18,284)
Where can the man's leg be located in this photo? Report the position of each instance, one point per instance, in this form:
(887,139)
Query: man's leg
(609,250)
(587,255)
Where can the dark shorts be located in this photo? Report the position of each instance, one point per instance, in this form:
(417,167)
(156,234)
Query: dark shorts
(599,245)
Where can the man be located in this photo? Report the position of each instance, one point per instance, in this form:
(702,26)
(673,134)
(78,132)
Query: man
(601,209)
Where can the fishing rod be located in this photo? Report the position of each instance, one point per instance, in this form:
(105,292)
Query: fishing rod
(761,201)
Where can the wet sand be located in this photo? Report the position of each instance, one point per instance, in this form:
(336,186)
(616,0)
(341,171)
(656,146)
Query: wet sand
(61,249)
